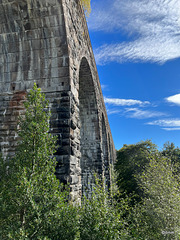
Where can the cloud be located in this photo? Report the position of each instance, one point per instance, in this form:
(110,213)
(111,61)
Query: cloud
(142,114)
(166,123)
(113,111)
(141,50)
(131,112)
(152,28)
(124,102)
(171,129)
(104,87)
(174,99)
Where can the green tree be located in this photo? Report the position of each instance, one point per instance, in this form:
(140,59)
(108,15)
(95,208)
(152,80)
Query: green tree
(153,177)
(32,202)
(131,160)
(172,152)
(158,215)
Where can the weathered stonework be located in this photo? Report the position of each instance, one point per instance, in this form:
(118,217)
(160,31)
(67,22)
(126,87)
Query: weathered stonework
(47,42)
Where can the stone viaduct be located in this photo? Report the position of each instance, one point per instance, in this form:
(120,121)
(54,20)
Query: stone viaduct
(47,42)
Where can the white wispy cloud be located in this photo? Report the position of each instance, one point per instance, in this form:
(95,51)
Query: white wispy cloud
(174,99)
(131,112)
(152,27)
(171,129)
(169,123)
(124,102)
(142,114)
(104,87)
(113,111)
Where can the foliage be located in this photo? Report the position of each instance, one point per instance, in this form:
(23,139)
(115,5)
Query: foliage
(131,160)
(172,152)
(32,203)
(158,216)
(153,176)
(101,218)
(86,5)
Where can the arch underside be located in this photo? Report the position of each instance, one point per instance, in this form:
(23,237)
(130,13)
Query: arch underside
(89,131)
(106,164)
(94,147)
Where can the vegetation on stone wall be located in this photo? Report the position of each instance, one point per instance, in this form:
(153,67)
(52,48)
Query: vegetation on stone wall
(86,5)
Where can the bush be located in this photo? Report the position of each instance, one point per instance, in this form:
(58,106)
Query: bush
(101,218)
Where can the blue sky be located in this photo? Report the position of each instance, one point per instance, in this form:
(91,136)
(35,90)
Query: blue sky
(137,50)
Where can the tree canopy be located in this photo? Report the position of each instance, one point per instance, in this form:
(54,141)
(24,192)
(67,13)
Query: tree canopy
(131,160)
(157,216)
(150,178)
(169,150)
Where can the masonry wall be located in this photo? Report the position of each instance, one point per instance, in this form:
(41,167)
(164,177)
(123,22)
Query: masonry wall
(47,42)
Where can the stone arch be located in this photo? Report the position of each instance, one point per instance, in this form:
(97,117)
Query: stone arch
(110,150)
(105,153)
(110,160)
(90,161)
